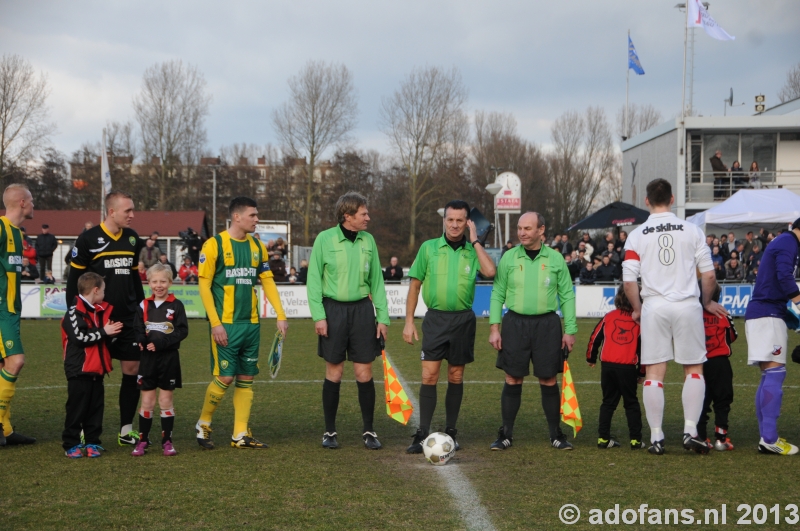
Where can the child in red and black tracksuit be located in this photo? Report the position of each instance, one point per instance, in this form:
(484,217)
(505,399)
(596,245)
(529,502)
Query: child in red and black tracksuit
(620,371)
(85,328)
(161,325)
(717,371)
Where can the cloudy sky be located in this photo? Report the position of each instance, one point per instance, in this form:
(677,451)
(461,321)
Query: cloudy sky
(533,59)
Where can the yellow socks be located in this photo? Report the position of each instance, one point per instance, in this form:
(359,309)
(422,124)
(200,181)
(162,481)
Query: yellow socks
(214,395)
(8,384)
(242,402)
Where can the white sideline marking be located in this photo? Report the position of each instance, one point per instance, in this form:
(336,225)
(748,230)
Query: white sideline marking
(470,382)
(467,501)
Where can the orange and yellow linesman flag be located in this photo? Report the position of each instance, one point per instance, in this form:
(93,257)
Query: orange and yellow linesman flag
(570,411)
(398,406)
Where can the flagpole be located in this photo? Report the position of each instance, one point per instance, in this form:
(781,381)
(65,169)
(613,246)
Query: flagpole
(627,85)
(685,38)
(102,179)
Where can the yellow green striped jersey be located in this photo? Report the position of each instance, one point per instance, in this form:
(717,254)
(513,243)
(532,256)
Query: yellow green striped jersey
(448,277)
(345,271)
(10,266)
(234,265)
(533,287)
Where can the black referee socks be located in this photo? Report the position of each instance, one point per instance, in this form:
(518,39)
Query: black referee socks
(366,399)
(510,400)
(128,399)
(427,405)
(551,403)
(452,403)
(330,403)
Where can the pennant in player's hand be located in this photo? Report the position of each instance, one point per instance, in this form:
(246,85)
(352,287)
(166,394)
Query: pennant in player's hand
(570,411)
(398,406)
(275,354)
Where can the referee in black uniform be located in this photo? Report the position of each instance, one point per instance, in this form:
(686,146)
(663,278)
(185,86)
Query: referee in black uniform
(111,250)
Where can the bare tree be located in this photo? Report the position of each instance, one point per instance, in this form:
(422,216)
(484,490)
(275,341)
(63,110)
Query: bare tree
(171,110)
(321,111)
(420,119)
(791,88)
(121,140)
(640,119)
(581,164)
(24,117)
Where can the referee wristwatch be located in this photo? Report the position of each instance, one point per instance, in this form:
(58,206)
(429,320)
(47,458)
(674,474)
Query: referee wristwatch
(476,241)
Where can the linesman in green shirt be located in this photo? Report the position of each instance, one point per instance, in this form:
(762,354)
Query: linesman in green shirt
(531,279)
(446,269)
(344,271)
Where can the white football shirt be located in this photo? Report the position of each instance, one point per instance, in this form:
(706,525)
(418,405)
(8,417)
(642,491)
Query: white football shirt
(666,252)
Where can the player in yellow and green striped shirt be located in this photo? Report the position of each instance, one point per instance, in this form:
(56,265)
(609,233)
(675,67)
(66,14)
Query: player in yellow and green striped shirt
(19,207)
(230,265)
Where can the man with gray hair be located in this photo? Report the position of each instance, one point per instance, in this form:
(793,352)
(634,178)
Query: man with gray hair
(343,272)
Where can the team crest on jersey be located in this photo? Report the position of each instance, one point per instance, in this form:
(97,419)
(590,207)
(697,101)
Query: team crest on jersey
(74,252)
(169,314)
(546,281)
(132,240)
(202,258)
(776,350)
(9,344)
(256,256)
(223,364)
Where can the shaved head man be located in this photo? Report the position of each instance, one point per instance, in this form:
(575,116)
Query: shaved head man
(19,207)
(530,280)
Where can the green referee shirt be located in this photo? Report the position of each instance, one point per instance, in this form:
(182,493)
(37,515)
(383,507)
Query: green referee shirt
(448,277)
(345,271)
(530,287)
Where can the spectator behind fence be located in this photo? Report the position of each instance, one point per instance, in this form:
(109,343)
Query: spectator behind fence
(573,266)
(149,253)
(719,271)
(164,260)
(86,226)
(738,176)
(46,244)
(28,272)
(48,277)
(557,244)
(607,272)
(619,245)
(507,247)
(566,247)
(588,274)
(277,266)
(281,247)
(393,271)
(188,271)
(155,236)
(754,258)
(721,178)
(751,276)
(716,258)
(612,254)
(302,275)
(748,245)
(142,271)
(29,251)
(292,275)
(754,177)
(734,270)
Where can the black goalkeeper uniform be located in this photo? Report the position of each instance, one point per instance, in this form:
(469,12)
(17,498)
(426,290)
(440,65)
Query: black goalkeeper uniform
(163,324)
(115,258)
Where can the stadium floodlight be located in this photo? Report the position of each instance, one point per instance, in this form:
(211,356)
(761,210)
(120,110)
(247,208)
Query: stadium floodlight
(494,188)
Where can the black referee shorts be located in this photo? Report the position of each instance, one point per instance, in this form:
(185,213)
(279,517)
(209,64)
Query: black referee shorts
(448,336)
(124,347)
(160,370)
(530,338)
(351,332)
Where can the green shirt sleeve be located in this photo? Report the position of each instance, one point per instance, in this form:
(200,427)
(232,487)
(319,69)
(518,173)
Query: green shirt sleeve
(566,296)
(376,287)
(499,291)
(420,265)
(314,280)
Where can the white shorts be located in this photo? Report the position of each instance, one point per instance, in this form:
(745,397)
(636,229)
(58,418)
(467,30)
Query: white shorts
(767,340)
(665,323)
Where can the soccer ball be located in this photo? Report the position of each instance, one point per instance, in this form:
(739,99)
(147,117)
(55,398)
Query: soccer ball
(438,448)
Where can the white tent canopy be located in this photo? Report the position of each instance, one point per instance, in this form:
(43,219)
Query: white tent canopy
(752,207)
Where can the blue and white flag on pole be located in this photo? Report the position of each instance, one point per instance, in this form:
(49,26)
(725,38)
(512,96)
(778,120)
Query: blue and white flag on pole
(633,58)
(105,173)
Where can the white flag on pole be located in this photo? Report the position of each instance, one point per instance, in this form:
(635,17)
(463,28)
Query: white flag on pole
(105,173)
(698,17)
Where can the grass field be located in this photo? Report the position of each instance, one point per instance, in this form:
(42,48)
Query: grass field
(295,484)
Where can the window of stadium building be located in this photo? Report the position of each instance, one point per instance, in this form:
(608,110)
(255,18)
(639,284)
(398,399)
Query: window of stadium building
(746,148)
